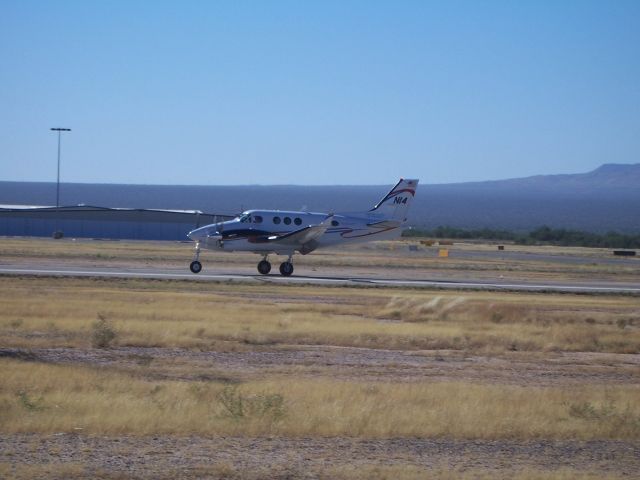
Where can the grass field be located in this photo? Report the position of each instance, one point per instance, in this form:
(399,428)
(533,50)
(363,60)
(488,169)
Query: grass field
(51,398)
(42,312)
(162,361)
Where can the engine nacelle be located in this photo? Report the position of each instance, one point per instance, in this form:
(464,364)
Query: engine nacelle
(214,241)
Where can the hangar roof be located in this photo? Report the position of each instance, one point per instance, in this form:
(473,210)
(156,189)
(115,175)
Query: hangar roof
(88,208)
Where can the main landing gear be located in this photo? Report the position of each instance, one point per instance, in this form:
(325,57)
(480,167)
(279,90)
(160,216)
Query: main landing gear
(196,266)
(286,268)
(264,267)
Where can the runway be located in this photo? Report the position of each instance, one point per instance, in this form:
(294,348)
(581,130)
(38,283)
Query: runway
(179,274)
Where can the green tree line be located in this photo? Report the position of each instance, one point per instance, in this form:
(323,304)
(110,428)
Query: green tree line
(541,235)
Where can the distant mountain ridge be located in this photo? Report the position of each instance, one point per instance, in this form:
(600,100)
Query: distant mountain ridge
(607,176)
(608,198)
(616,174)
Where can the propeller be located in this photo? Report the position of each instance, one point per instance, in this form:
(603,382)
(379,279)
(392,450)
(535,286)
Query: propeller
(217,236)
(220,230)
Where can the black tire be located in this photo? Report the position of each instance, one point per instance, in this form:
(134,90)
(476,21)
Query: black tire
(286,269)
(264,267)
(195,266)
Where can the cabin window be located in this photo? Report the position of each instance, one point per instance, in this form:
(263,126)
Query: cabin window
(297,221)
(276,220)
(257,219)
(335,223)
(287,221)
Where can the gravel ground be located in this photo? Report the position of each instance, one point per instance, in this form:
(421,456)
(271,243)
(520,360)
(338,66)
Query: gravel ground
(516,368)
(280,458)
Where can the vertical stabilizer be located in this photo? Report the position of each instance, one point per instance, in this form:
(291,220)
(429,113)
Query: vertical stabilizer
(395,204)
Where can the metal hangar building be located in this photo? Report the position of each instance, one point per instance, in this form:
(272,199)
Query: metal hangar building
(84,221)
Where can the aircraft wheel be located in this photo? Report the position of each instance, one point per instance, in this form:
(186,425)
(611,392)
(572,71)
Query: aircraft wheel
(264,267)
(195,266)
(286,269)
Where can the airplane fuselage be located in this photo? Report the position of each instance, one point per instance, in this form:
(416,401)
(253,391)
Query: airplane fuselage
(245,232)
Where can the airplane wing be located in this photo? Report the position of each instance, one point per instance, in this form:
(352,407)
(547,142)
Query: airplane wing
(298,237)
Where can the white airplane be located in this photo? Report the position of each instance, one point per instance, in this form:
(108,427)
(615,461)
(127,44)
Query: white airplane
(284,232)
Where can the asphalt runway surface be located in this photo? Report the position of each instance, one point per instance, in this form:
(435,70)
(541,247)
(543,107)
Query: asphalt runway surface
(302,278)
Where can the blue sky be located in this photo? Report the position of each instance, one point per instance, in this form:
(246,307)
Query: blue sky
(302,92)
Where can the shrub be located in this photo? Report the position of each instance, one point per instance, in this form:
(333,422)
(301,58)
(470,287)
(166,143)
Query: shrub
(103,333)
(240,406)
(29,403)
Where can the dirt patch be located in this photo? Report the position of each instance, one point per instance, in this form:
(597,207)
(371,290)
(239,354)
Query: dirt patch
(362,364)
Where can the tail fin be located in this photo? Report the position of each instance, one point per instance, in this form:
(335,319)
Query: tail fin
(395,204)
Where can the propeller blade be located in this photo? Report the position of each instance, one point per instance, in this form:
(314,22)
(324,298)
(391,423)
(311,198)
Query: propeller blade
(219,230)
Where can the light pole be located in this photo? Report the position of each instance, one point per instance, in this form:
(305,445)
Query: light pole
(57,233)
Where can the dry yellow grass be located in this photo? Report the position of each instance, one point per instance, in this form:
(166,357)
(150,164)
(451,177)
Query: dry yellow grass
(50,398)
(70,249)
(46,312)
(525,322)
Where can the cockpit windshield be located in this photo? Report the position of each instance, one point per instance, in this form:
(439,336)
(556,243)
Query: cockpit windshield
(249,218)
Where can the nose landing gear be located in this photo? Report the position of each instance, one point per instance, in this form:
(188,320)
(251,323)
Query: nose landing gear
(196,266)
